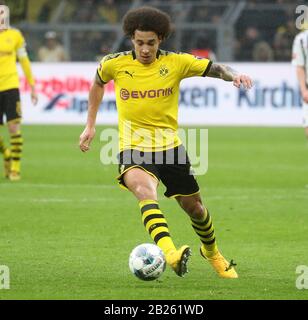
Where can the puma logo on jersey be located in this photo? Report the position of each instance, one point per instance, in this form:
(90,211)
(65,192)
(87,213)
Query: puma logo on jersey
(131,74)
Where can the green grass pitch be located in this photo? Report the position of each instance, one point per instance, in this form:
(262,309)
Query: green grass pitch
(66,229)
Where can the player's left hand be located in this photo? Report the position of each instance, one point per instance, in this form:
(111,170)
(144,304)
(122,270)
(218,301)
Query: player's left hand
(242,80)
(305,96)
(85,139)
(34,97)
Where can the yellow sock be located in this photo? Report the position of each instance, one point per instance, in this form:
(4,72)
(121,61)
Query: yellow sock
(7,154)
(1,145)
(16,151)
(156,224)
(205,230)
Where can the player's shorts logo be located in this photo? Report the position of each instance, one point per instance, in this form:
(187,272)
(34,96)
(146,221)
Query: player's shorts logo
(18,108)
(124,94)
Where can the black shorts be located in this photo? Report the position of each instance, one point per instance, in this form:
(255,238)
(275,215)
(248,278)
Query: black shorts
(172,167)
(10,105)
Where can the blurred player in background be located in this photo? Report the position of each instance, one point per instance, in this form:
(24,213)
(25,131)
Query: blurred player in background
(147,90)
(300,60)
(12,48)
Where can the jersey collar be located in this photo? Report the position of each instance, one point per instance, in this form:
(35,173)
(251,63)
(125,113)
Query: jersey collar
(157,54)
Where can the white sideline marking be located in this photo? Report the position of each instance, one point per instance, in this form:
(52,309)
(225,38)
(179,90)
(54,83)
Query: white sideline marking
(44,200)
(264,197)
(249,190)
(56,186)
(129,198)
(61,200)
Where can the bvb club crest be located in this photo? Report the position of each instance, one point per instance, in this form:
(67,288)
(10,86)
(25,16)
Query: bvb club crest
(163,71)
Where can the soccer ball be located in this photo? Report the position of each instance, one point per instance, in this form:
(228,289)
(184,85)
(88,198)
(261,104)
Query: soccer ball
(147,262)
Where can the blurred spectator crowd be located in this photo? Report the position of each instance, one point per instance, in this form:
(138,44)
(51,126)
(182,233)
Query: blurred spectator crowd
(264,30)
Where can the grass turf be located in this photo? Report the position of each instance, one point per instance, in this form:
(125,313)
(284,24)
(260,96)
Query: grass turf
(66,229)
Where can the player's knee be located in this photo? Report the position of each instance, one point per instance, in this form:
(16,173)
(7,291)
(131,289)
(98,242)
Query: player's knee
(141,184)
(14,128)
(198,211)
(195,210)
(144,191)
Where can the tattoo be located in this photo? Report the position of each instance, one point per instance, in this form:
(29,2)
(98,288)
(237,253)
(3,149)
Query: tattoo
(222,71)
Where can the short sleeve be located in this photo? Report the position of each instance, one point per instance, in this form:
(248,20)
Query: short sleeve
(298,58)
(105,70)
(20,40)
(192,66)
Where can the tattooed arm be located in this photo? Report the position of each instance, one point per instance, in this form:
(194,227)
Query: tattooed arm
(226,73)
(222,71)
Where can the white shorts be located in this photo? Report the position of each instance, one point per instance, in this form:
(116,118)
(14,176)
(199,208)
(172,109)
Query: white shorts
(305,114)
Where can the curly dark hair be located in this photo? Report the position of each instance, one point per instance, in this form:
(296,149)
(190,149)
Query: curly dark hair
(147,19)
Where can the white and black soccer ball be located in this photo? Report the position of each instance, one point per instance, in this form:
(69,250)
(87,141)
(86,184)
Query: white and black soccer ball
(147,262)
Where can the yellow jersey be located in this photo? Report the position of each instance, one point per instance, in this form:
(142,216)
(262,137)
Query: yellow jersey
(147,96)
(11,40)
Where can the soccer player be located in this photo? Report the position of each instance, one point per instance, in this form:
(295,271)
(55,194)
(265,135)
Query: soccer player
(300,60)
(12,46)
(147,90)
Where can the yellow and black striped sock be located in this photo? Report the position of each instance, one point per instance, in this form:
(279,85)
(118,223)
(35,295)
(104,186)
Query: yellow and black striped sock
(1,145)
(16,151)
(205,230)
(156,224)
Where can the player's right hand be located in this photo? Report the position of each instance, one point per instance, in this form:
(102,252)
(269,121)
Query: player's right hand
(85,139)
(34,98)
(305,96)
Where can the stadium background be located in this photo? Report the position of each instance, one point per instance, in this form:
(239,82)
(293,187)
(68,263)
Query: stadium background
(224,31)
(62,229)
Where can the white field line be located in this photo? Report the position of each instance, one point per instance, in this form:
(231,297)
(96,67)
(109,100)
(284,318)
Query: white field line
(259,197)
(267,194)
(249,190)
(115,186)
(60,200)
(57,186)
(113,199)
(269,166)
